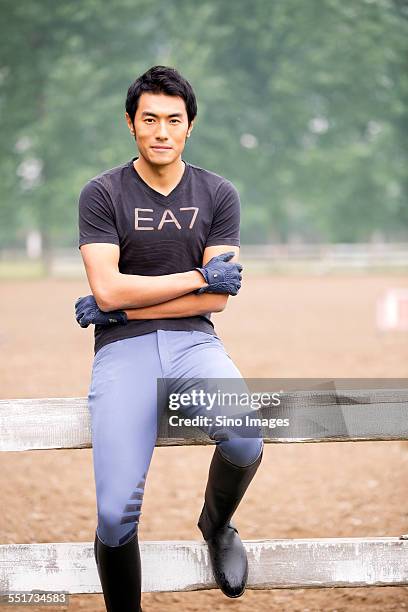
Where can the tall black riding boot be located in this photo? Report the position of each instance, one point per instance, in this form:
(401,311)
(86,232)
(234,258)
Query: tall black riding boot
(226,486)
(119,570)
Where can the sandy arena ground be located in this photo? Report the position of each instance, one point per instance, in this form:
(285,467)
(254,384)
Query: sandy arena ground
(276,327)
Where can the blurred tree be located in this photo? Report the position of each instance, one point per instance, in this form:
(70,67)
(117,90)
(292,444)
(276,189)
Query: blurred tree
(303,105)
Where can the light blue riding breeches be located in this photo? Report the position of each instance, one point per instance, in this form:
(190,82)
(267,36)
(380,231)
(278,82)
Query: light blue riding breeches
(124,407)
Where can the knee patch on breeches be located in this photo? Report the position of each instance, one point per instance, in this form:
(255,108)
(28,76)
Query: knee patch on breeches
(112,530)
(241,451)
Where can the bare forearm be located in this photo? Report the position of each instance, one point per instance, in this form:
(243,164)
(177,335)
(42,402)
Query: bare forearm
(185,306)
(128,291)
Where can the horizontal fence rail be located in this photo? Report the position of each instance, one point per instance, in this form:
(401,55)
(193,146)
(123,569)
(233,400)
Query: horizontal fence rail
(314,258)
(385,251)
(314,416)
(341,253)
(184,565)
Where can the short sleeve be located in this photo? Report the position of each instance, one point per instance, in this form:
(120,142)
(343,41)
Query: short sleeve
(96,219)
(226,220)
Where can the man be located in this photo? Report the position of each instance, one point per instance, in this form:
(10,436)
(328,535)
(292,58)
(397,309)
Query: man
(159,239)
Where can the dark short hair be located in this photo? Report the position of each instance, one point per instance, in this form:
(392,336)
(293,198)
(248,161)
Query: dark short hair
(161,79)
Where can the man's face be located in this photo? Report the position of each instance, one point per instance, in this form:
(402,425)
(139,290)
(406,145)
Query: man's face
(160,120)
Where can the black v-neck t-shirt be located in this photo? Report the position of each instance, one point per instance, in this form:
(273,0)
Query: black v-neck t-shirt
(158,234)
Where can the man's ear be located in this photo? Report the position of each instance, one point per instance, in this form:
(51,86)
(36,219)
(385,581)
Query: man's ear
(130,126)
(129,122)
(190,128)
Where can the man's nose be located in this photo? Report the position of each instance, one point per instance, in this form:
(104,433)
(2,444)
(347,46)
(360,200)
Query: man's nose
(162,130)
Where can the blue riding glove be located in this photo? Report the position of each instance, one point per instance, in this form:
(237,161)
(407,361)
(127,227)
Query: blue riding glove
(221,276)
(87,312)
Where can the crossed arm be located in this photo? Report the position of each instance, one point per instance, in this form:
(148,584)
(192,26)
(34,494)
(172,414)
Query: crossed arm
(149,297)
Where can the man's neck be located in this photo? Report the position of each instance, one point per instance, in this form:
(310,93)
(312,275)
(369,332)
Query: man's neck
(161,178)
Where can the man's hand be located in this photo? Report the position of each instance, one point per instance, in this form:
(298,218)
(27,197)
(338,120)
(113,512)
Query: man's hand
(87,312)
(221,275)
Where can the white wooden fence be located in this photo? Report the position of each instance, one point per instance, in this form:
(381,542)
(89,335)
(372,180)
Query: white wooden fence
(316,258)
(322,416)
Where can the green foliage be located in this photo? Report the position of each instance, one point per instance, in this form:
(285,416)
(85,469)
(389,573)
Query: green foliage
(303,105)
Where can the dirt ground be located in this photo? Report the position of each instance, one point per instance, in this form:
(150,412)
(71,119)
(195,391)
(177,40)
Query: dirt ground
(276,327)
